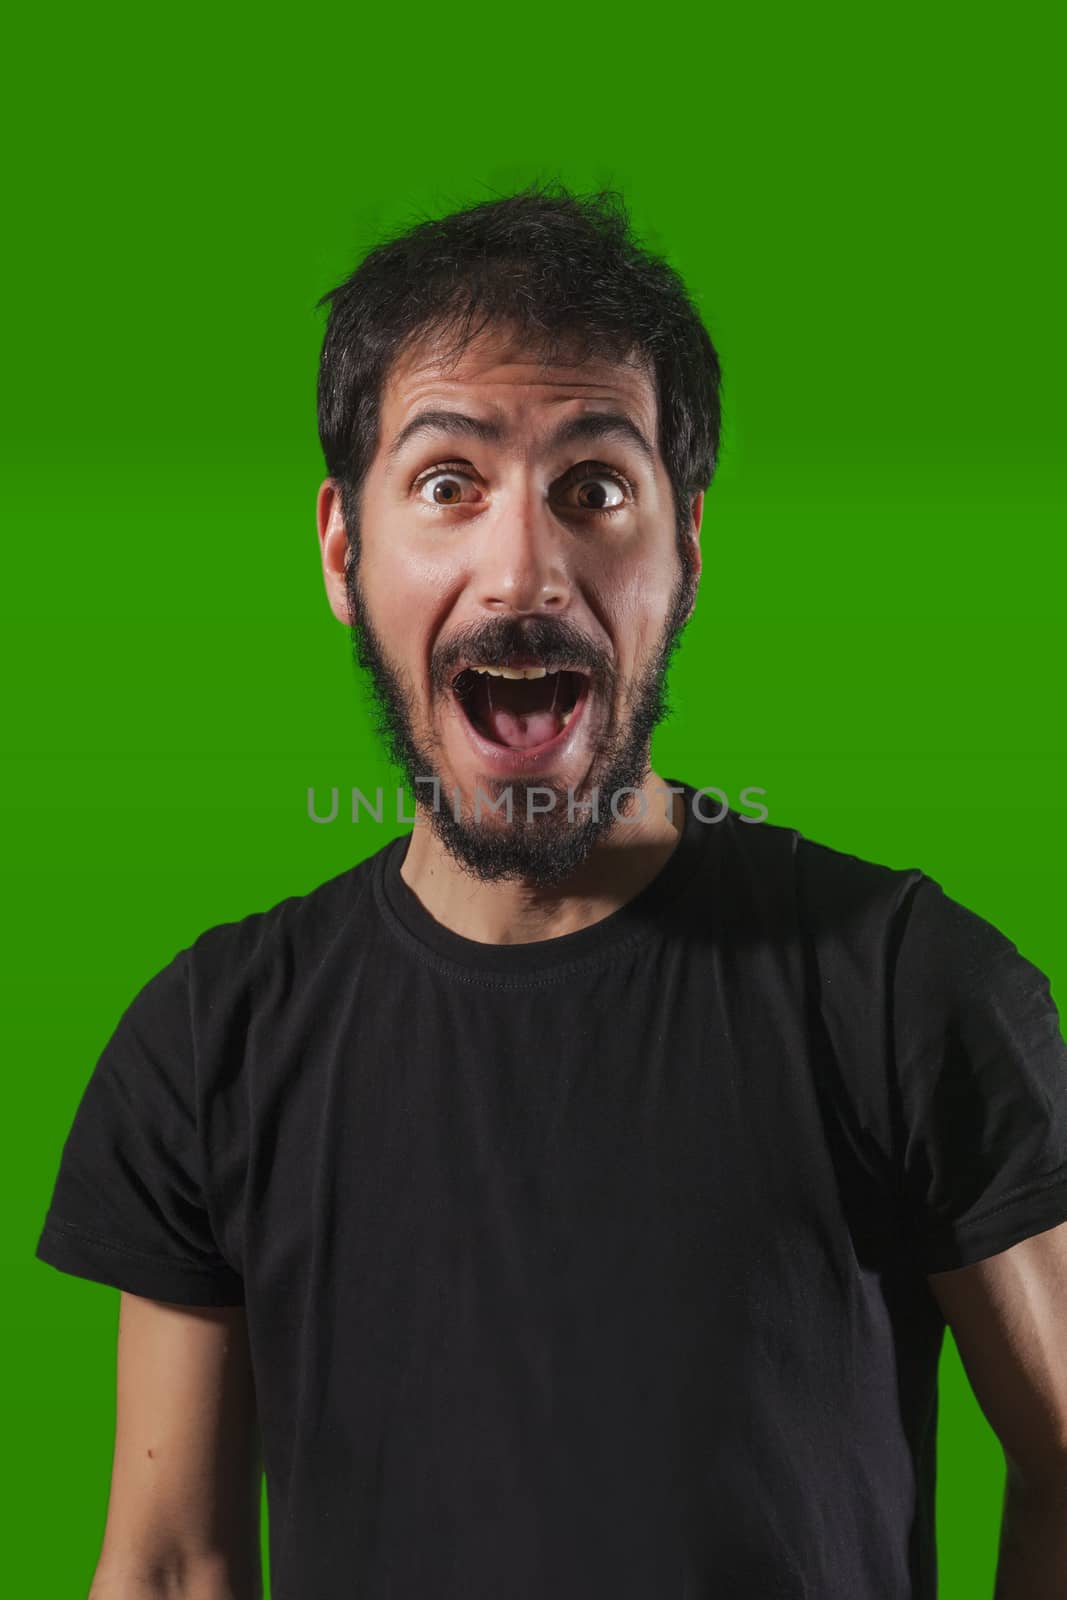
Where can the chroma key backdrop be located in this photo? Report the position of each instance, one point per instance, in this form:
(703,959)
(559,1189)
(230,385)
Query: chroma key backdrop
(863,204)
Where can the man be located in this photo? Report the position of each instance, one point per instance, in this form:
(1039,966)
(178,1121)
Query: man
(570,1198)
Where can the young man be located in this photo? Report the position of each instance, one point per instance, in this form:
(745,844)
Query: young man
(569,1198)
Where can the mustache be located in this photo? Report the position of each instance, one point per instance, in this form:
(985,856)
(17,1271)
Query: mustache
(546,638)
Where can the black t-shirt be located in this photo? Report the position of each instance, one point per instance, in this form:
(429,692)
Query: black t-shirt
(591,1266)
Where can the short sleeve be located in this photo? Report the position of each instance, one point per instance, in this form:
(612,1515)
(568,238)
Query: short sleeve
(982,1072)
(128,1206)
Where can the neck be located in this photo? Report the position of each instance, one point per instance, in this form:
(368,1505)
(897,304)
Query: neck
(622,862)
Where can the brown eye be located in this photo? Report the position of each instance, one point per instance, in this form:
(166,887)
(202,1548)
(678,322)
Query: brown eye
(601,492)
(443,488)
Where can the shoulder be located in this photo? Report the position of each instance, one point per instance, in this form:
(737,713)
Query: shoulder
(897,925)
(826,892)
(285,942)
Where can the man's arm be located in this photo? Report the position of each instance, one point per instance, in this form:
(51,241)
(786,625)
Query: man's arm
(1008,1316)
(183,1514)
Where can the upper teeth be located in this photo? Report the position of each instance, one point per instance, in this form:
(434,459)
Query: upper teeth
(513,672)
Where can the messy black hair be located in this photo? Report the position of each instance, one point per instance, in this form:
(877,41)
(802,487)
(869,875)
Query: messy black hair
(567,273)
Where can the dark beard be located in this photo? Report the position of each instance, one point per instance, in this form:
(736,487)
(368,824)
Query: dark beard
(541,848)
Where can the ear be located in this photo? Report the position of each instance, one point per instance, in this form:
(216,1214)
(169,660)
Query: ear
(698,514)
(697,504)
(333,542)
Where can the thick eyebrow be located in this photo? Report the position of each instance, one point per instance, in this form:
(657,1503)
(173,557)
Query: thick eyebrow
(588,425)
(454,422)
(593,425)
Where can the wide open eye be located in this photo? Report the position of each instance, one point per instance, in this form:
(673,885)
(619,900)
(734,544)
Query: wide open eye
(596,490)
(444,487)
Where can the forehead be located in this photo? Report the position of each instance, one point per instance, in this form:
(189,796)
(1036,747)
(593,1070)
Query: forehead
(505,372)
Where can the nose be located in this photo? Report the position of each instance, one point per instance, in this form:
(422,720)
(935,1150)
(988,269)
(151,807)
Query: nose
(522,561)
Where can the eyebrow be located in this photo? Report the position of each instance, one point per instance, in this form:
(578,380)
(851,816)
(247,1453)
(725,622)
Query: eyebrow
(589,425)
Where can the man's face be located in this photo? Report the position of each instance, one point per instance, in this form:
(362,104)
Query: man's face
(530,532)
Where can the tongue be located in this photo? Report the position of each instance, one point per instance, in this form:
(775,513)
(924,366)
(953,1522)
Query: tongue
(521,731)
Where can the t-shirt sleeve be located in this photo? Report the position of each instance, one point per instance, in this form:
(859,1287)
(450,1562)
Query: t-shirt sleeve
(982,1073)
(128,1206)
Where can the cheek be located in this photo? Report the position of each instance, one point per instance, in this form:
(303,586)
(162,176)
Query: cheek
(639,602)
(394,579)
(406,569)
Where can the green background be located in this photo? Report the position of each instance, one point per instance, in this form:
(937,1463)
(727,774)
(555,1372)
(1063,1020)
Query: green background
(865,206)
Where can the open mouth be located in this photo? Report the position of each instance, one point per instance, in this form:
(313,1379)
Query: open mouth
(515,711)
